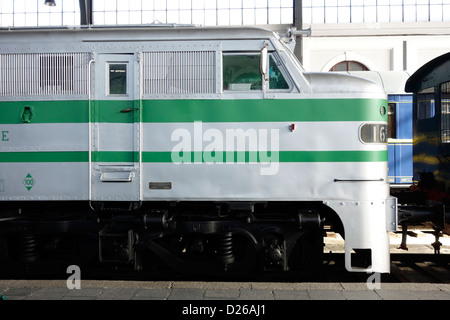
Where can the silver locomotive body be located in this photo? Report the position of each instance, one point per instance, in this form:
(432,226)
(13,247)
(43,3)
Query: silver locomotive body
(190,144)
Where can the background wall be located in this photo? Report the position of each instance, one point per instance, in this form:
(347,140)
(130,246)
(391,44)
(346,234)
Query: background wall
(378,46)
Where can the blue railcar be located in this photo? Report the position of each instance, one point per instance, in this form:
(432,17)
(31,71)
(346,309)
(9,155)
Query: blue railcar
(431,88)
(429,198)
(400,141)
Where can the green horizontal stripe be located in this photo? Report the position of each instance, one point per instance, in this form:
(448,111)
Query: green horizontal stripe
(115,156)
(333,156)
(152,111)
(263,110)
(110,111)
(281,156)
(69,156)
(72,111)
(197,157)
(47,156)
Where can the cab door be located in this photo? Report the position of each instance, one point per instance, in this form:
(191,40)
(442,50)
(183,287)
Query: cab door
(115,128)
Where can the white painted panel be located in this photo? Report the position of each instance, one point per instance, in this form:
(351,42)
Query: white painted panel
(45,137)
(44,181)
(307,136)
(117,137)
(291,181)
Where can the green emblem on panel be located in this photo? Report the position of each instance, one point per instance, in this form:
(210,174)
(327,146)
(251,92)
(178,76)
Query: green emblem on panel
(29,182)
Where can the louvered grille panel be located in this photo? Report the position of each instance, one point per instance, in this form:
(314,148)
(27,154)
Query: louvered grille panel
(44,74)
(179,72)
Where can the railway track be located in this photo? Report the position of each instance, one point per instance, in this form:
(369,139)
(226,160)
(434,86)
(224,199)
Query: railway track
(421,268)
(418,264)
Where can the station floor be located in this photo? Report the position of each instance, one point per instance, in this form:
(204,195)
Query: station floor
(244,291)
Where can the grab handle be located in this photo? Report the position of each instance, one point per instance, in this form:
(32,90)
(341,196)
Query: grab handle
(129,110)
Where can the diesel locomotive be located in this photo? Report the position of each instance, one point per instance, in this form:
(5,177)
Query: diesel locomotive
(196,149)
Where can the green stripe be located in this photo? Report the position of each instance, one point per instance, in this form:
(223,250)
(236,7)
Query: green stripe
(197,157)
(283,156)
(115,156)
(263,110)
(50,156)
(110,111)
(333,156)
(69,156)
(73,111)
(249,110)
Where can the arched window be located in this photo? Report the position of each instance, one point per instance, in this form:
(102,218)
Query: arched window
(349,65)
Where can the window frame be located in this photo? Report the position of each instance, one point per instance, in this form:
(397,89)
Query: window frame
(108,79)
(281,67)
(432,108)
(265,80)
(392,120)
(241,53)
(347,65)
(444,88)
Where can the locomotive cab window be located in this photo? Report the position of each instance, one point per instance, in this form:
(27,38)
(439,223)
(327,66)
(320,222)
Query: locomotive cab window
(241,72)
(276,79)
(117,73)
(425,104)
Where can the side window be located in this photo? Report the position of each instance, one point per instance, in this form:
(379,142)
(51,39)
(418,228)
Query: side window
(425,104)
(241,72)
(117,79)
(276,78)
(445,112)
(392,120)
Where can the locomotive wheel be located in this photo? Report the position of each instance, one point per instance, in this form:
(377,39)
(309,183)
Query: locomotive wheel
(308,252)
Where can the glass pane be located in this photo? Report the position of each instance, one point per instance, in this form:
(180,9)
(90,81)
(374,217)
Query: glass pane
(341,66)
(349,66)
(118,78)
(425,104)
(276,79)
(409,13)
(445,112)
(392,120)
(241,72)
(356,66)
(331,15)
(344,15)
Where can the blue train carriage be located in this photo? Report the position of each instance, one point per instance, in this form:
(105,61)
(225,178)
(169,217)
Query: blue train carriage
(202,149)
(400,139)
(430,86)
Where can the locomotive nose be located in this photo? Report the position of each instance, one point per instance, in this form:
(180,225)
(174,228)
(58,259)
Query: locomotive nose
(333,82)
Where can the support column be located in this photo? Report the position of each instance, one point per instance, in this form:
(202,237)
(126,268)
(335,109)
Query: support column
(298,23)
